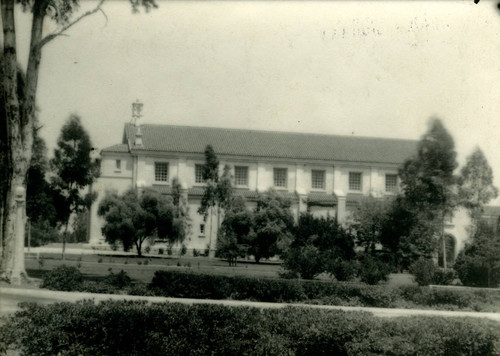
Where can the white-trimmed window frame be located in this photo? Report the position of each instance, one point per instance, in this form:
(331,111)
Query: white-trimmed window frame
(157,164)
(395,188)
(198,166)
(323,174)
(280,170)
(351,174)
(241,168)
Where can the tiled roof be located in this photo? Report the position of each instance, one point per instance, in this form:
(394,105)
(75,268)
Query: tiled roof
(122,147)
(272,144)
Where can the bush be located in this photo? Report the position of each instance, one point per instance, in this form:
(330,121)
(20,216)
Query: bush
(307,261)
(85,328)
(63,278)
(342,270)
(426,272)
(120,280)
(444,276)
(372,270)
(423,271)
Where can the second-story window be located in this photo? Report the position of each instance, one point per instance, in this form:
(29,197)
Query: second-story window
(241,176)
(280,177)
(198,173)
(118,164)
(317,179)
(355,181)
(391,182)
(161,171)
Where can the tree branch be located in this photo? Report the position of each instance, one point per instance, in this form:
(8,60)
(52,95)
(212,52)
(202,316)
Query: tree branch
(50,37)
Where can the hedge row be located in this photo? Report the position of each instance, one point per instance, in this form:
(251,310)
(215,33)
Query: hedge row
(136,328)
(189,285)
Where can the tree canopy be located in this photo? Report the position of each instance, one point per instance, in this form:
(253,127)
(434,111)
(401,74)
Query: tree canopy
(73,169)
(132,217)
(476,184)
(19,110)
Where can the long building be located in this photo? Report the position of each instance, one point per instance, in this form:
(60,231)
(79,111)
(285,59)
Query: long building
(323,174)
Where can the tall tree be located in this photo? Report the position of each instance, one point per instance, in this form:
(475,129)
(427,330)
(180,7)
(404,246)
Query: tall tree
(132,217)
(427,180)
(273,224)
(182,220)
(18,114)
(74,170)
(476,187)
(217,190)
(236,231)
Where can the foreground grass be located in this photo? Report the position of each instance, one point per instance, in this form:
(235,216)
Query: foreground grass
(137,328)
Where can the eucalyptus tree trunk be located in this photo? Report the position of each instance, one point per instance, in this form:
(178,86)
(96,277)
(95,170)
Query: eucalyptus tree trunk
(19,118)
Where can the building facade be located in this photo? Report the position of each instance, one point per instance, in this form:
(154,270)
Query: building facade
(324,174)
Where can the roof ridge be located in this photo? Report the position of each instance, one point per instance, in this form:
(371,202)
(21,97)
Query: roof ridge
(281,132)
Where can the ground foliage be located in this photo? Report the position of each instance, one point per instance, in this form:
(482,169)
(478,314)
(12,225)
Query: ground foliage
(138,328)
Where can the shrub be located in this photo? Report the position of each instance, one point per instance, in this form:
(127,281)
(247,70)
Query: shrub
(342,270)
(423,271)
(444,276)
(63,278)
(304,260)
(85,328)
(372,270)
(119,280)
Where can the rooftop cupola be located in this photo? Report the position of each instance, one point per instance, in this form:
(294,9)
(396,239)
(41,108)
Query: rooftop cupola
(136,112)
(136,116)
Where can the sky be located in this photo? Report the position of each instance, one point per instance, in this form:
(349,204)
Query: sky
(362,68)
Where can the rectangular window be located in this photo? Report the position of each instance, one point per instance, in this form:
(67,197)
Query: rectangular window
(241,175)
(202,229)
(198,173)
(161,171)
(391,182)
(355,181)
(280,177)
(118,163)
(318,179)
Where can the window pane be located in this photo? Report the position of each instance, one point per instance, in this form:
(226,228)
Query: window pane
(354,181)
(118,164)
(280,177)
(391,182)
(161,171)
(318,179)
(198,173)
(241,175)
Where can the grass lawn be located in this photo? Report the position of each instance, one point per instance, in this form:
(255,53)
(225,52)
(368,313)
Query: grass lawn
(142,269)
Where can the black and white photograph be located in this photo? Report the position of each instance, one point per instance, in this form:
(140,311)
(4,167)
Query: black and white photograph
(273,177)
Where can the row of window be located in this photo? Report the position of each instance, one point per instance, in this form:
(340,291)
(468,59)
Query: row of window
(280,177)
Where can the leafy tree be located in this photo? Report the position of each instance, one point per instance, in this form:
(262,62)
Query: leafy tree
(74,170)
(367,221)
(20,100)
(273,224)
(217,190)
(319,244)
(478,263)
(476,187)
(236,232)
(427,180)
(182,220)
(407,234)
(131,218)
